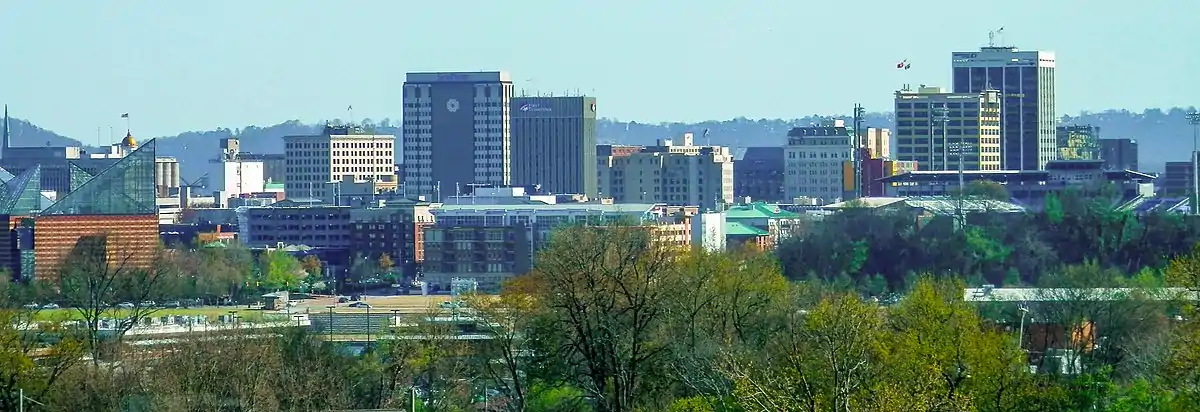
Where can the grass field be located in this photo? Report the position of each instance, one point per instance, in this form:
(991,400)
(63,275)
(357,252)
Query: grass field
(249,315)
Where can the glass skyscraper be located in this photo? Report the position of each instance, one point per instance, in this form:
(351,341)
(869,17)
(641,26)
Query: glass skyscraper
(1026,82)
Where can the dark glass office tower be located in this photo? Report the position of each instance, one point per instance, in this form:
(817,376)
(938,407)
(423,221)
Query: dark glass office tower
(554,143)
(1026,80)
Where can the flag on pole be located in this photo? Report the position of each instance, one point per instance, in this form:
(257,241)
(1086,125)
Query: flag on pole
(902,64)
(349,108)
(125,115)
(907,66)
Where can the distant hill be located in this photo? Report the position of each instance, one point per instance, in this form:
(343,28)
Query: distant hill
(25,134)
(1163,135)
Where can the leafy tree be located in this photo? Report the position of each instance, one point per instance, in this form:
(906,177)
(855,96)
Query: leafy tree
(280,270)
(312,266)
(385,263)
(32,360)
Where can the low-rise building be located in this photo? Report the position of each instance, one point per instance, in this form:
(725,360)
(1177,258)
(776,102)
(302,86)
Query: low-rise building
(395,228)
(491,243)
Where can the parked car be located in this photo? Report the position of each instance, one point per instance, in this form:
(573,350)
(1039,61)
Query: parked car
(148,304)
(33,306)
(125,305)
(343,299)
(171,304)
(50,306)
(360,305)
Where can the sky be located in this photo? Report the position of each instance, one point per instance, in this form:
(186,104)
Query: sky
(75,66)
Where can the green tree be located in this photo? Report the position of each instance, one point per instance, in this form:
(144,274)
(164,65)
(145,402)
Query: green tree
(280,270)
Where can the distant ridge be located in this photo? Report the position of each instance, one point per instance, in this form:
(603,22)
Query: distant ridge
(1162,134)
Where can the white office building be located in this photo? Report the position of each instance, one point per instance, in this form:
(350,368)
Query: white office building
(342,153)
(814,159)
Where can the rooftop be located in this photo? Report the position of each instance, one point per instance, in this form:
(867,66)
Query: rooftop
(942,205)
(758,210)
(990,294)
(542,207)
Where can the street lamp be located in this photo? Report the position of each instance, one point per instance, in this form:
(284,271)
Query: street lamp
(395,319)
(298,317)
(1021,335)
(233,316)
(368,325)
(331,321)
(1193,118)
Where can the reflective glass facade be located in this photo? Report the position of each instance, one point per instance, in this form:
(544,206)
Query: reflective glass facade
(23,194)
(125,188)
(5,176)
(78,176)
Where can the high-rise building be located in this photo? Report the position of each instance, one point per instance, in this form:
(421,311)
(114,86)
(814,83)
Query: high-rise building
(456,132)
(814,156)
(554,143)
(1078,142)
(1025,80)
(339,152)
(972,126)
(878,143)
(1119,154)
(674,174)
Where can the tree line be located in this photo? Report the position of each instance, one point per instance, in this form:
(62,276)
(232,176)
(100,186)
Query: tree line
(610,320)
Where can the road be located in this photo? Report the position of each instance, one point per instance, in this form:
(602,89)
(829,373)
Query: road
(379,304)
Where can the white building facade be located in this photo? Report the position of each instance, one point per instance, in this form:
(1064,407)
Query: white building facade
(338,154)
(814,159)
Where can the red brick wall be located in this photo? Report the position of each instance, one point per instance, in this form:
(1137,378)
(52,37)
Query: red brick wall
(132,239)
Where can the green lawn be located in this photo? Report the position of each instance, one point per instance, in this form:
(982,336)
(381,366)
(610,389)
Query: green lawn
(249,315)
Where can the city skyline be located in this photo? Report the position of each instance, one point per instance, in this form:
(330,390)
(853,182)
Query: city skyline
(250,71)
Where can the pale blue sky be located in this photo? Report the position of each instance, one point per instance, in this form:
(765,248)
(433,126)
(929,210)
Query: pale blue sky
(176,65)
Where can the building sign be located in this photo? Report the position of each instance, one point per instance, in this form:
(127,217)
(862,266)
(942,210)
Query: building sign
(533,107)
(452,77)
(965,55)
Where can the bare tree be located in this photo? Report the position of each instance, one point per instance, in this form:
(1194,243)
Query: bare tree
(502,358)
(605,288)
(104,278)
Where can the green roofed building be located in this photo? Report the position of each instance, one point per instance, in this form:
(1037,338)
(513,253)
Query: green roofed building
(779,224)
(739,234)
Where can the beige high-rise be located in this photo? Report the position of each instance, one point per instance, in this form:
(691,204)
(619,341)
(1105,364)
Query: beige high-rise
(972,123)
(670,173)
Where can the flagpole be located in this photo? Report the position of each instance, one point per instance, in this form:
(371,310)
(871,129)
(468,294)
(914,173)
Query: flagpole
(350,109)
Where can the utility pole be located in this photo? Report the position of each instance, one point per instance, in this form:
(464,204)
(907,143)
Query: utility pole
(856,144)
(1194,119)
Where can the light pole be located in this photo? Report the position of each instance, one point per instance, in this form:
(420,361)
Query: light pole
(1021,335)
(1193,118)
(331,322)
(233,318)
(368,325)
(395,319)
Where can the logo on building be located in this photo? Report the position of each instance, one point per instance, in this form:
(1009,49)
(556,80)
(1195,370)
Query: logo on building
(452,105)
(531,107)
(593,107)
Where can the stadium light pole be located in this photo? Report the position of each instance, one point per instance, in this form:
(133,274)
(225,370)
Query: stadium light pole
(1194,119)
